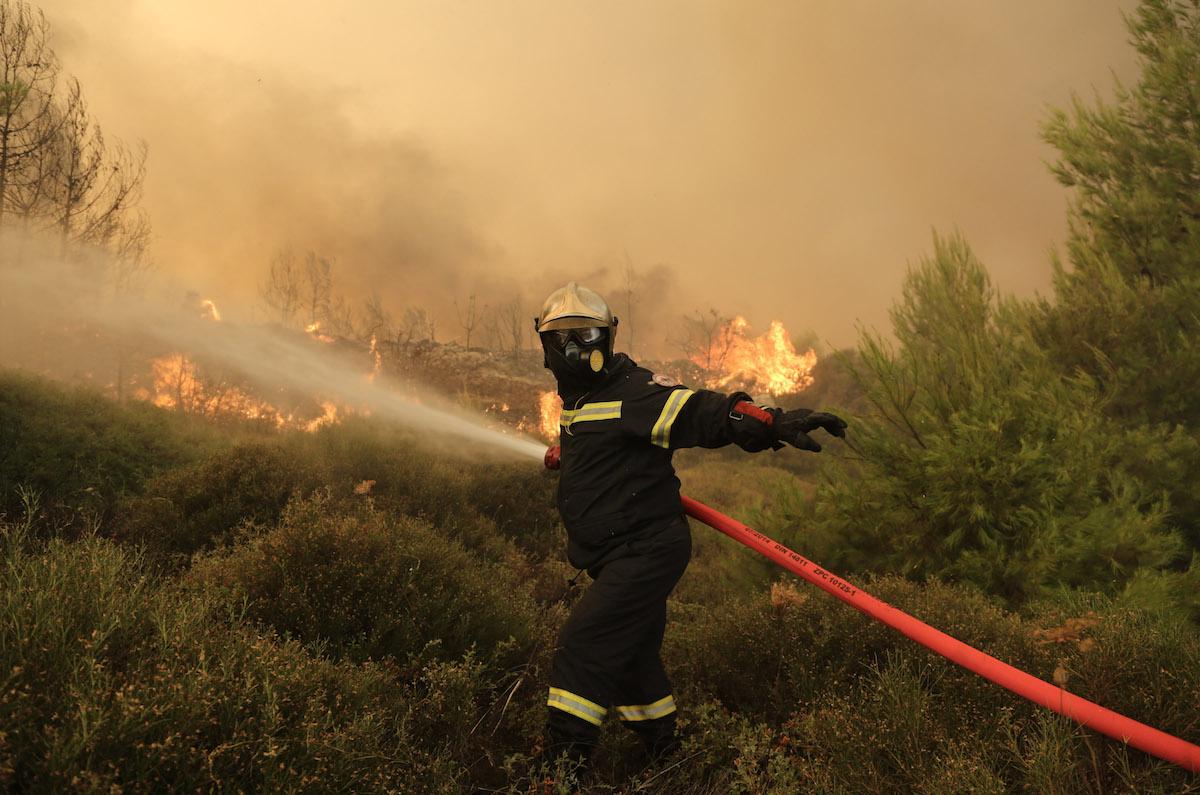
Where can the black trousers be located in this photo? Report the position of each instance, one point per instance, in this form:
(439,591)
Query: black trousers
(608,651)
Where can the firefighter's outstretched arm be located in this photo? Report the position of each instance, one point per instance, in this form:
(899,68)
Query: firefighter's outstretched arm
(702,418)
(791,426)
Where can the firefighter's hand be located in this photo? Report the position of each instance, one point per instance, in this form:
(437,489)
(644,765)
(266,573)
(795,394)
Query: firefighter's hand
(793,427)
(752,427)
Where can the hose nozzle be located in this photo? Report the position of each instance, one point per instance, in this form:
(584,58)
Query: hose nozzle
(553,456)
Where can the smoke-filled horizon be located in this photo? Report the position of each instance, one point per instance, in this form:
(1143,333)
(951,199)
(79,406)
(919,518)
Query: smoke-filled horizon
(772,160)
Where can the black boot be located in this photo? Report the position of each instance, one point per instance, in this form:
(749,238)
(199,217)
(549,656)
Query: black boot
(659,738)
(569,745)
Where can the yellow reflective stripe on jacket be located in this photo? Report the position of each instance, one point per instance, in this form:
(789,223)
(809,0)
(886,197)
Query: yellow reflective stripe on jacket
(575,705)
(607,410)
(659,709)
(660,434)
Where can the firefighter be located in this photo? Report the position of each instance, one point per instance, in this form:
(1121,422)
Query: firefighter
(619,500)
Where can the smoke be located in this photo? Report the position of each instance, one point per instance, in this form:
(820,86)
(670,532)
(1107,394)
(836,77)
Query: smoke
(62,317)
(774,160)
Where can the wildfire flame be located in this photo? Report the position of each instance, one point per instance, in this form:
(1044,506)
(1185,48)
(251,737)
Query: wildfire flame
(549,410)
(328,418)
(208,311)
(179,385)
(314,331)
(767,363)
(376,361)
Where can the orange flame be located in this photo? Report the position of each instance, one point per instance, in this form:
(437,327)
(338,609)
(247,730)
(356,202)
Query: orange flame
(376,359)
(175,383)
(179,385)
(767,363)
(549,410)
(314,331)
(208,311)
(328,418)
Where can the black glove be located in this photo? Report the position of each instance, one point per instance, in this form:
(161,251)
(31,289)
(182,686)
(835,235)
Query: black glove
(751,427)
(793,427)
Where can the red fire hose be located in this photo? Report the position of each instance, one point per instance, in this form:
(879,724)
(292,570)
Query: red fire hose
(1094,716)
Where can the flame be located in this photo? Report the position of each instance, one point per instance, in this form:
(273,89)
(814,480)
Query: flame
(328,418)
(179,385)
(175,383)
(314,331)
(376,359)
(208,310)
(767,363)
(549,410)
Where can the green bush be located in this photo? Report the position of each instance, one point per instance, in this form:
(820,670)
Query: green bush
(78,449)
(1128,310)
(113,682)
(519,498)
(196,507)
(979,461)
(794,692)
(365,586)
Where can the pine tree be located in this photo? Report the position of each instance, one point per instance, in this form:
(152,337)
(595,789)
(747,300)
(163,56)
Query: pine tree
(979,460)
(1127,311)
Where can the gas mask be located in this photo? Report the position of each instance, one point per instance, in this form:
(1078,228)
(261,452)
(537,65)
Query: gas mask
(578,356)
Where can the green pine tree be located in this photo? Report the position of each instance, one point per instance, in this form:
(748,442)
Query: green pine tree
(979,461)
(1127,310)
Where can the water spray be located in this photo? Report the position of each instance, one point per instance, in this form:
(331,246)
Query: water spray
(1087,713)
(50,297)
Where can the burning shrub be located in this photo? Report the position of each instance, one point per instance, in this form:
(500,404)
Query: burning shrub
(363,586)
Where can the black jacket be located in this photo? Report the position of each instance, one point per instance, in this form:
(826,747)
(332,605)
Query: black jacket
(616,479)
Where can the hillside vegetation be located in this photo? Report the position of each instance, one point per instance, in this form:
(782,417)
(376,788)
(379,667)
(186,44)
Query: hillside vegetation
(189,606)
(257,616)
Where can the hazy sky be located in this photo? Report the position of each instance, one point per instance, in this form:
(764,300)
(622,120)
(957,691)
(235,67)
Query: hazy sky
(782,159)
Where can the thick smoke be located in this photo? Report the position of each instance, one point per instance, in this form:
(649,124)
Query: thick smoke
(783,160)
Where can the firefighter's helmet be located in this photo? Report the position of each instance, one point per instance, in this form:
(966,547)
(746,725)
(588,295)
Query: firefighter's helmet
(574,306)
(577,330)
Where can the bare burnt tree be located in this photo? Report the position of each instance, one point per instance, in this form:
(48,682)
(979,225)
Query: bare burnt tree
(491,325)
(303,290)
(317,288)
(417,326)
(468,319)
(512,326)
(705,339)
(340,318)
(376,320)
(281,291)
(28,118)
(57,171)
